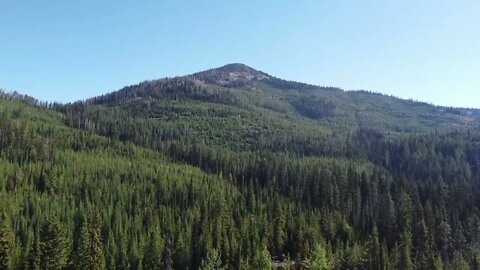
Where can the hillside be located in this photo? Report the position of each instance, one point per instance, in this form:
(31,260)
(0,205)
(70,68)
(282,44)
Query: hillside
(234,167)
(243,87)
(244,109)
(64,192)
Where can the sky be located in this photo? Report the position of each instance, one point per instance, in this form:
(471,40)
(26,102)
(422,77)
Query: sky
(64,51)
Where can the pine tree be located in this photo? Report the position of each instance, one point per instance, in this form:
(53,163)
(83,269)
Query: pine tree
(423,253)
(97,254)
(35,253)
(53,245)
(288,264)
(443,238)
(90,251)
(319,259)
(405,261)
(353,257)
(437,262)
(6,242)
(458,262)
(212,261)
(152,258)
(83,252)
(262,259)
(167,258)
(374,250)
(280,233)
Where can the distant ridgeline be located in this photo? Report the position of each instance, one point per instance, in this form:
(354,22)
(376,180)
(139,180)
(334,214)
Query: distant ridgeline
(15,96)
(232,168)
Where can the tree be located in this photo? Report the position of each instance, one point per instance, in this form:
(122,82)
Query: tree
(90,251)
(443,238)
(280,234)
(152,258)
(97,254)
(167,258)
(437,263)
(319,259)
(405,259)
(212,261)
(458,262)
(35,253)
(262,259)
(373,250)
(423,253)
(353,257)
(6,242)
(53,245)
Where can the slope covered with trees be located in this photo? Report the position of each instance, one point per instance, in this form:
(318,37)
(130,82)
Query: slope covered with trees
(233,168)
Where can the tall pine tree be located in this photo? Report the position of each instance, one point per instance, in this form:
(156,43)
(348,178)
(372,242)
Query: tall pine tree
(53,245)
(6,242)
(212,261)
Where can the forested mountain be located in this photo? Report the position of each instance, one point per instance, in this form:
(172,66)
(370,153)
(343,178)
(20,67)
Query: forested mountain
(233,168)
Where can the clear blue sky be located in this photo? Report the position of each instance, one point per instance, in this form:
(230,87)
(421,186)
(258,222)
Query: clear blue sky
(427,50)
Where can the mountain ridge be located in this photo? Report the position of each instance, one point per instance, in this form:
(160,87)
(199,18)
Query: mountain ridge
(238,74)
(242,86)
(238,85)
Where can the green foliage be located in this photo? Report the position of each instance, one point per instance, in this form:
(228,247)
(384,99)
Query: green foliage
(262,259)
(6,242)
(53,245)
(314,108)
(458,262)
(153,252)
(374,260)
(319,259)
(212,261)
(279,233)
(90,254)
(353,257)
(238,170)
(437,263)
(34,261)
(167,261)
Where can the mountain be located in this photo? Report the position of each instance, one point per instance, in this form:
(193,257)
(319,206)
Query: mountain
(237,75)
(235,168)
(242,108)
(231,75)
(244,87)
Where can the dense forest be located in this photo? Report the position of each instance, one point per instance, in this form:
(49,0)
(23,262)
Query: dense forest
(233,168)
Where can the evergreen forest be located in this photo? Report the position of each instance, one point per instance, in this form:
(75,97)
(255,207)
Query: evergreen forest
(232,168)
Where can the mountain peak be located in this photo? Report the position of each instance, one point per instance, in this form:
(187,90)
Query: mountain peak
(235,74)
(237,67)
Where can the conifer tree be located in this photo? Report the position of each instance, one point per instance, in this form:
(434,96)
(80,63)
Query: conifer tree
(97,253)
(35,253)
(374,250)
(280,234)
(83,252)
(405,261)
(53,245)
(167,258)
(6,242)
(262,259)
(152,258)
(437,262)
(90,251)
(458,262)
(319,259)
(212,261)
